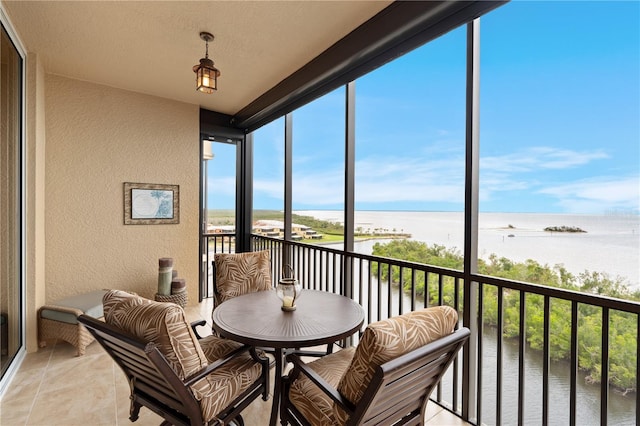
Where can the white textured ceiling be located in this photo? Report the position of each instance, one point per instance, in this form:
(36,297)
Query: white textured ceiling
(151,46)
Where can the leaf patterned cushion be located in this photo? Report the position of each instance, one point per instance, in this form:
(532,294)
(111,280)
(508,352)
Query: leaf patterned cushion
(314,404)
(220,388)
(165,324)
(215,347)
(241,273)
(385,340)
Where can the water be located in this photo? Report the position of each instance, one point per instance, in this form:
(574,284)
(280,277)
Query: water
(611,243)
(621,409)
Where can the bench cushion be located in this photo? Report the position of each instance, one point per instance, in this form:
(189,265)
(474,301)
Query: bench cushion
(89,303)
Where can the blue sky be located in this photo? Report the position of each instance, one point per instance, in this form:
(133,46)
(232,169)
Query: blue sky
(559,122)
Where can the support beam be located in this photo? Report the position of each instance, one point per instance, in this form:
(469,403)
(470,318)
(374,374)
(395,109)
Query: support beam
(396,30)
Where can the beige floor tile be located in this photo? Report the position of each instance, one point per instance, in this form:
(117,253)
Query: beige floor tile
(84,405)
(257,413)
(445,418)
(56,387)
(15,411)
(26,383)
(73,374)
(37,360)
(146,417)
(432,410)
(63,349)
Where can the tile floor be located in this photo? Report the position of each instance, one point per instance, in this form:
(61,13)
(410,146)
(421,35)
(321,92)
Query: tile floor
(54,387)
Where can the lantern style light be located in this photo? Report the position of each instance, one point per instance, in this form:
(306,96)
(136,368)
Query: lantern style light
(288,289)
(206,74)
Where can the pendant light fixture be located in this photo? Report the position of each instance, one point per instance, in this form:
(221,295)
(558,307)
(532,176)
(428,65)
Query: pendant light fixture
(206,74)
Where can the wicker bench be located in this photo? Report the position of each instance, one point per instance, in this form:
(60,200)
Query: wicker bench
(59,320)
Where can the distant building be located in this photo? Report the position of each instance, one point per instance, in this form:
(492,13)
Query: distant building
(221,229)
(275,229)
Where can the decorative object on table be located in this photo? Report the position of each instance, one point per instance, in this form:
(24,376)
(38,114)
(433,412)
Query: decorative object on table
(179,291)
(179,299)
(151,204)
(171,289)
(165,275)
(178,285)
(288,289)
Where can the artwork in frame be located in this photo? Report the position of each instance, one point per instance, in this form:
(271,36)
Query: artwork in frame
(151,204)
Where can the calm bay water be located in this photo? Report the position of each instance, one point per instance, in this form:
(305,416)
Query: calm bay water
(621,408)
(611,243)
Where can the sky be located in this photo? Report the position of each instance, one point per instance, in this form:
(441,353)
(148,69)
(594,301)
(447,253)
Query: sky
(559,122)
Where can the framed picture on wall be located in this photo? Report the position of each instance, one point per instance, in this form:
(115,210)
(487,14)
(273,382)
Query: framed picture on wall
(151,204)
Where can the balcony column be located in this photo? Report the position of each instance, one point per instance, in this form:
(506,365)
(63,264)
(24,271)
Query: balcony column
(349,165)
(244,193)
(349,187)
(470,385)
(288,188)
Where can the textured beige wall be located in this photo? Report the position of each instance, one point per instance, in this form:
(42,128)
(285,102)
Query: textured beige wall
(35,197)
(97,138)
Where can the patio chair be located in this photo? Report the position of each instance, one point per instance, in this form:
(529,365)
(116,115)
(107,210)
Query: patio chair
(184,380)
(235,274)
(386,380)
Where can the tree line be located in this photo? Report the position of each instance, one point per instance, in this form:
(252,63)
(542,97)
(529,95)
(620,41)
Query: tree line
(622,326)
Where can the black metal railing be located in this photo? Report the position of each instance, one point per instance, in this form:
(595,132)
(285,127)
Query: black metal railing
(218,242)
(371,281)
(479,392)
(572,309)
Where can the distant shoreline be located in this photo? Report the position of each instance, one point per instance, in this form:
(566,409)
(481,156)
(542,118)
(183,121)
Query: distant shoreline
(611,243)
(605,214)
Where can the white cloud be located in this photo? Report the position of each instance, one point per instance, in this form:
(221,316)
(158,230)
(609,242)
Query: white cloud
(384,180)
(223,186)
(440,178)
(539,158)
(274,188)
(597,194)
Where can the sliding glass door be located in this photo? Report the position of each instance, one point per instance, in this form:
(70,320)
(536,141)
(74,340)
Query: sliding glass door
(11,317)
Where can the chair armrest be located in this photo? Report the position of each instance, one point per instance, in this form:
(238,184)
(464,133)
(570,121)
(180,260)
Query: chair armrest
(194,324)
(303,352)
(321,383)
(214,366)
(64,309)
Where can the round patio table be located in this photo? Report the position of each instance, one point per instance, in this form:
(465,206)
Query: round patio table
(256,319)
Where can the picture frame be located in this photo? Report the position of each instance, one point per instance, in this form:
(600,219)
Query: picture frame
(151,204)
